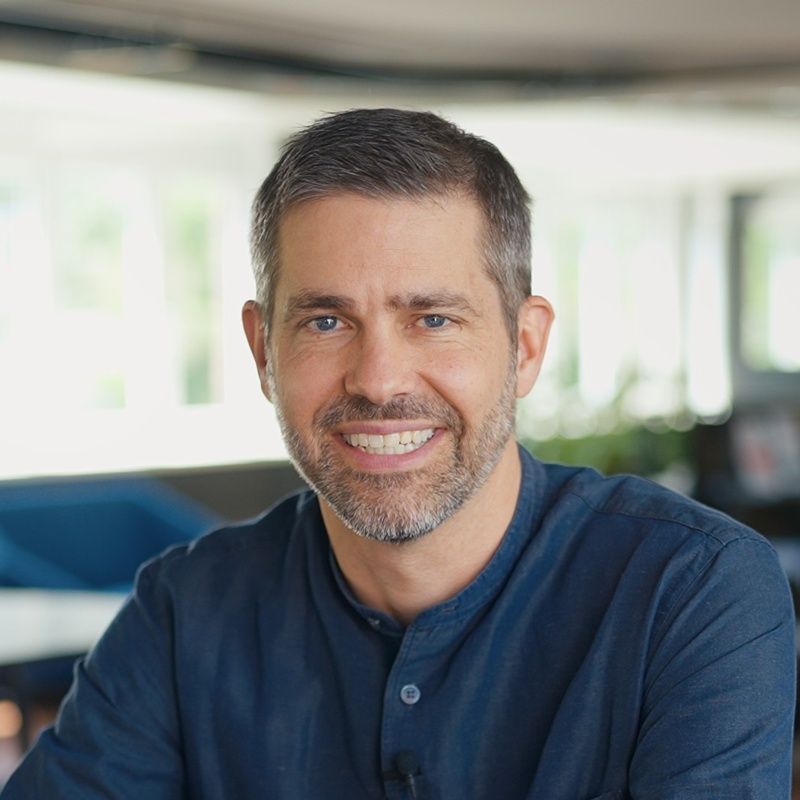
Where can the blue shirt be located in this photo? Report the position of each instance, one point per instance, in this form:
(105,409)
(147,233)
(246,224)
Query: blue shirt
(623,642)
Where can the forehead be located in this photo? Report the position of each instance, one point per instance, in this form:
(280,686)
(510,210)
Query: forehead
(381,243)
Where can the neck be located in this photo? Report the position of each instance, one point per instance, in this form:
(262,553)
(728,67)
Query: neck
(404,579)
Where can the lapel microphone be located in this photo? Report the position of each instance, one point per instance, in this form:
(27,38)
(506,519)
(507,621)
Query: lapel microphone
(408,766)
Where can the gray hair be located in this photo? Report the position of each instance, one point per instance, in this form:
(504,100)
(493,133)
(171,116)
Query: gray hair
(384,153)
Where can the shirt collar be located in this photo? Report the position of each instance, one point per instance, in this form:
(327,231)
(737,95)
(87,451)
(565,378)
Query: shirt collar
(491,578)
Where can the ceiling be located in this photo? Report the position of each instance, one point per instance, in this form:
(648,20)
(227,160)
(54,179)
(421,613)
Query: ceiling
(518,40)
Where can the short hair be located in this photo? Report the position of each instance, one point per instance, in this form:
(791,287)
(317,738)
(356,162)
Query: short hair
(385,153)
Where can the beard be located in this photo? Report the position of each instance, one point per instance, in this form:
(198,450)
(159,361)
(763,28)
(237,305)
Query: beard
(400,506)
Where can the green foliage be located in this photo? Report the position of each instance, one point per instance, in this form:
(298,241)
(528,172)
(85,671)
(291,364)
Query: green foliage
(755,296)
(89,251)
(639,450)
(109,391)
(189,212)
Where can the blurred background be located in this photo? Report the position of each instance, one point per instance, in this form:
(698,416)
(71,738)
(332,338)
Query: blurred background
(661,143)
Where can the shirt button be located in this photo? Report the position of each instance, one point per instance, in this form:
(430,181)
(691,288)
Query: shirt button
(410,694)
(374,623)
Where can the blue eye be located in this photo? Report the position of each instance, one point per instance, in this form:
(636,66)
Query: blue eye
(324,324)
(434,321)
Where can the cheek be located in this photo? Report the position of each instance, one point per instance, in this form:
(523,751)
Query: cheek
(304,385)
(470,384)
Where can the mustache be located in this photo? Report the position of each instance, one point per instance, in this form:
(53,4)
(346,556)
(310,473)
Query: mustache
(359,409)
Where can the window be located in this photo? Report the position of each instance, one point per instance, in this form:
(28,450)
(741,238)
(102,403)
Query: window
(123,266)
(770,284)
(124,209)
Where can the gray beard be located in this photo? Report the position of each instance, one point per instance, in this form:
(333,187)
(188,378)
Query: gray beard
(401,506)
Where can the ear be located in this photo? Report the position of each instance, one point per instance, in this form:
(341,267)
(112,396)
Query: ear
(253,322)
(533,327)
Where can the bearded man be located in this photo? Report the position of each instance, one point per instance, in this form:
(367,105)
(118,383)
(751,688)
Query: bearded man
(443,616)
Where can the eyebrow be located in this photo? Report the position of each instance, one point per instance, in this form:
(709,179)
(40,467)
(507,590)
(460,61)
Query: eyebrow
(439,300)
(306,301)
(316,301)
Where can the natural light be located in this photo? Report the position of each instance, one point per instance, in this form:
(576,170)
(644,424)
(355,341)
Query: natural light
(124,264)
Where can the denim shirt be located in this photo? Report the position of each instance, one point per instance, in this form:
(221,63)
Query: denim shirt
(622,642)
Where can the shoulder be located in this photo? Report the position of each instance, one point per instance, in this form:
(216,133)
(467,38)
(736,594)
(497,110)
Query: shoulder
(631,503)
(252,546)
(660,540)
(629,540)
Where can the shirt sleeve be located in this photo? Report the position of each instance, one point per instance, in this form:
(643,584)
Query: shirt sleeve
(720,687)
(117,734)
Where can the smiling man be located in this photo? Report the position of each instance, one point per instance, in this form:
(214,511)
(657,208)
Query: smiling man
(444,616)
(394,375)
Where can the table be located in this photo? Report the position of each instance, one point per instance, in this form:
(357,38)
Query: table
(38,624)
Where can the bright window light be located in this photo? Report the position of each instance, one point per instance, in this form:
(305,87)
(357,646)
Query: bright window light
(124,209)
(123,267)
(771,284)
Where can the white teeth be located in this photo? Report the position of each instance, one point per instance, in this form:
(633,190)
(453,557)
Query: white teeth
(390,444)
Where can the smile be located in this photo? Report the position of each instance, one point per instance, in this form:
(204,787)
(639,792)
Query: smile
(390,444)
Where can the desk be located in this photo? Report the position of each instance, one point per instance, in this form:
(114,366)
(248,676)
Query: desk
(37,624)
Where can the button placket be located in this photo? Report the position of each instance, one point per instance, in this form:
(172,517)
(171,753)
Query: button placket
(401,697)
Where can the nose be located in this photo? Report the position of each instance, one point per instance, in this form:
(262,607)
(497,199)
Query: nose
(380,368)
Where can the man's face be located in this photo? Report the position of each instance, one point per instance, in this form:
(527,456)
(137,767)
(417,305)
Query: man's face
(389,363)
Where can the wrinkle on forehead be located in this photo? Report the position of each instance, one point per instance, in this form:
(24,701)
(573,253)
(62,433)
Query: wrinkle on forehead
(344,252)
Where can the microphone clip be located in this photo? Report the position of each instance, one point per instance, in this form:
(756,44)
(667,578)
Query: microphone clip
(406,769)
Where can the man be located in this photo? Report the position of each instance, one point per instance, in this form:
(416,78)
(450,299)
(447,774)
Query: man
(445,617)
